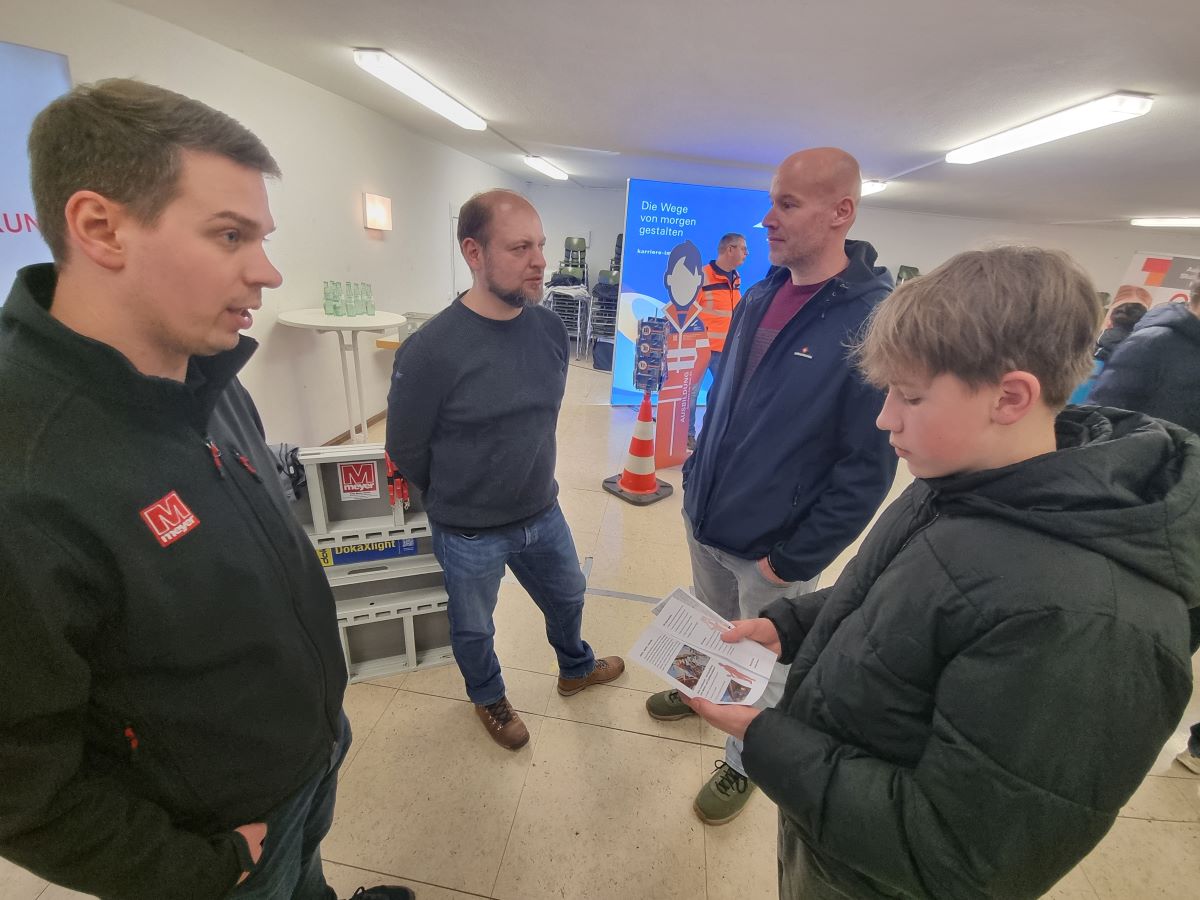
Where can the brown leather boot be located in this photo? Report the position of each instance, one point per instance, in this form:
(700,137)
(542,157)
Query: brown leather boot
(503,724)
(606,669)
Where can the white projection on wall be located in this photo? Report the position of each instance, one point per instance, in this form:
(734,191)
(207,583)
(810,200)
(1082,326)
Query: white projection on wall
(29,79)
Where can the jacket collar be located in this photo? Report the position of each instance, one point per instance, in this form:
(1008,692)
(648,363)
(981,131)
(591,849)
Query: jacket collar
(729,276)
(99,370)
(860,276)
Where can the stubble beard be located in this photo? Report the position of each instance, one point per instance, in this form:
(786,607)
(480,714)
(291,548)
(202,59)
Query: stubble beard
(517,298)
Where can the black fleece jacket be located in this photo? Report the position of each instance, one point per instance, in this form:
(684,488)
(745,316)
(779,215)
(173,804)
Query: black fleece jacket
(168,642)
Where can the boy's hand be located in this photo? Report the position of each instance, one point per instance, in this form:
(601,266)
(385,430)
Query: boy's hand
(254,834)
(763,631)
(731,719)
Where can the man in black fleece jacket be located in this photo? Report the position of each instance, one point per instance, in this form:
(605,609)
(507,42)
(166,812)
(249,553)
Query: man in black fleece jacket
(171,721)
(471,417)
(993,675)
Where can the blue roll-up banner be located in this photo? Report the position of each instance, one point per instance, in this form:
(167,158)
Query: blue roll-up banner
(29,80)
(659,215)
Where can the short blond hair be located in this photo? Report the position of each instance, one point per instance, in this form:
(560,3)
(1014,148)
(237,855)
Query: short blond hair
(985,313)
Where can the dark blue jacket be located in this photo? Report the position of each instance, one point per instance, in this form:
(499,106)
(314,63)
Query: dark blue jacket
(797,468)
(1156,370)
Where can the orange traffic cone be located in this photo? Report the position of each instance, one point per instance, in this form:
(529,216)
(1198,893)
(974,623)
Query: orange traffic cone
(638,484)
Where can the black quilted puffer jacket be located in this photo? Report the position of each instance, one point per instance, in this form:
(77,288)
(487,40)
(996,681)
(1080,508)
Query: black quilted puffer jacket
(991,678)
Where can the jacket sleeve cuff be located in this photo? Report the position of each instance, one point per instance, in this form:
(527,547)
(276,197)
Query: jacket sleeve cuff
(784,569)
(245,862)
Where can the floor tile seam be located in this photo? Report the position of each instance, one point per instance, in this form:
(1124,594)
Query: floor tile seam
(516,812)
(1182,776)
(549,715)
(677,740)
(656,543)
(667,551)
(361,742)
(621,595)
(555,677)
(468,701)
(1082,868)
(704,833)
(404,878)
(1091,886)
(1148,818)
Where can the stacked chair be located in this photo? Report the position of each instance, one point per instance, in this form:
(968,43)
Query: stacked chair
(602,318)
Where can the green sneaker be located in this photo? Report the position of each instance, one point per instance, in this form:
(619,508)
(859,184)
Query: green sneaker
(667,706)
(724,796)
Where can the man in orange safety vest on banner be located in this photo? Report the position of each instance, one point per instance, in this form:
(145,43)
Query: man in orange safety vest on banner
(719,294)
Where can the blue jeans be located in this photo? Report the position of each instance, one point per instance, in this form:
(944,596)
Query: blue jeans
(541,554)
(290,866)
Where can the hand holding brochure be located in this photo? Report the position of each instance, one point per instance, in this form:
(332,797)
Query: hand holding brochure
(683,646)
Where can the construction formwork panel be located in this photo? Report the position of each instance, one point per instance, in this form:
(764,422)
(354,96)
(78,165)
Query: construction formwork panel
(388,634)
(389,590)
(348,498)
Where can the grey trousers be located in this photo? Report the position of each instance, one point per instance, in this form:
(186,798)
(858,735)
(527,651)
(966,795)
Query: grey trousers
(735,589)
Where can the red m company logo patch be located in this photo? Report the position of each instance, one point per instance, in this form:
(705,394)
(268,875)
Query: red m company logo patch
(169,519)
(359,480)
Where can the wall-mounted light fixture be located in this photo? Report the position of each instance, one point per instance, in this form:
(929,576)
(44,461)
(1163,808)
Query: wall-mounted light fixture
(377,212)
(873,187)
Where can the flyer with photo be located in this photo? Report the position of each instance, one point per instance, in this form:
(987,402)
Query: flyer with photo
(683,646)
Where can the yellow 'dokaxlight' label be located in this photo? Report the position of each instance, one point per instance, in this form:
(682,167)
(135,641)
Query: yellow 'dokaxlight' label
(353,553)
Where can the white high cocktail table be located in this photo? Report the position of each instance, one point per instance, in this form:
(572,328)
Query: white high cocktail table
(347,329)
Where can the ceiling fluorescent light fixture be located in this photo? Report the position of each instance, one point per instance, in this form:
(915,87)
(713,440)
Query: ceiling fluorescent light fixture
(1163,222)
(873,187)
(392,72)
(1105,111)
(546,168)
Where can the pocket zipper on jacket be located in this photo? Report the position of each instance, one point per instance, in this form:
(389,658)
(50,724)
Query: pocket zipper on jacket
(282,568)
(216,456)
(246,464)
(132,739)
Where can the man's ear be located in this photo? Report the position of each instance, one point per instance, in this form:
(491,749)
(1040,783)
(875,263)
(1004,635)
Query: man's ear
(472,252)
(1019,394)
(93,226)
(843,212)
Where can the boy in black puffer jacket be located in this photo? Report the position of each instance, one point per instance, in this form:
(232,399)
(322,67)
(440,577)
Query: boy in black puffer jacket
(990,679)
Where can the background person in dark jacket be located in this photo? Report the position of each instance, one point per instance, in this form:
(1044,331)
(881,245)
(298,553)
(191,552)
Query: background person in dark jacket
(172,672)
(1123,318)
(1156,370)
(997,669)
(789,467)
(1159,375)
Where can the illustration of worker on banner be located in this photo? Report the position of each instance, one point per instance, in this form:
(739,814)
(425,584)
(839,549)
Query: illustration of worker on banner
(687,353)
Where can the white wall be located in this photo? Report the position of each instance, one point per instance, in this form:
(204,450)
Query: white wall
(567,210)
(902,238)
(925,241)
(330,151)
